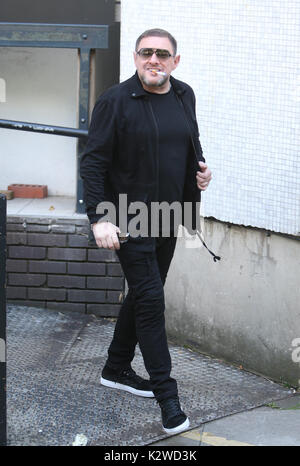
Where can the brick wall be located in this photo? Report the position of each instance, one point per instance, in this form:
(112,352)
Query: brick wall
(52,263)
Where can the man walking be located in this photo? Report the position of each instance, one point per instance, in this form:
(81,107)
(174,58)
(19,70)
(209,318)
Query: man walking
(143,142)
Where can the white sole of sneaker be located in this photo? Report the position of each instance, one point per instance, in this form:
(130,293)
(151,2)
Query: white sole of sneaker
(126,388)
(175,430)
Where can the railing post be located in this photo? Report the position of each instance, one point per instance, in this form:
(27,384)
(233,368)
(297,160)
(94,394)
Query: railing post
(84,91)
(2,319)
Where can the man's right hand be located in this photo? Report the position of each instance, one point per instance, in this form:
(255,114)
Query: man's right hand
(105,234)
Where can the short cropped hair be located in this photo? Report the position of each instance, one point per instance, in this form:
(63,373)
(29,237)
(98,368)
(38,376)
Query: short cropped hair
(157,33)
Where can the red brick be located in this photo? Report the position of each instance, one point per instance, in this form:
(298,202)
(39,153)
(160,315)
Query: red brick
(29,190)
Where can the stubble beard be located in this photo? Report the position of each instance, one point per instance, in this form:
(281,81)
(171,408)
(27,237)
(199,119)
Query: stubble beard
(159,83)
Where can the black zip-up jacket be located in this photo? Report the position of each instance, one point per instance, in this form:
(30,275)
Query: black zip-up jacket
(121,154)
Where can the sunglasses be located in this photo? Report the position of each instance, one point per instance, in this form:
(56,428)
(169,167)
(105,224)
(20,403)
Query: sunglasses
(162,54)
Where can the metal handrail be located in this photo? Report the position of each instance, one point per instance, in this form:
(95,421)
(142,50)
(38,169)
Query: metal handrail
(45,129)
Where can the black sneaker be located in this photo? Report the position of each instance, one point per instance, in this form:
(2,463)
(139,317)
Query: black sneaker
(126,380)
(173,418)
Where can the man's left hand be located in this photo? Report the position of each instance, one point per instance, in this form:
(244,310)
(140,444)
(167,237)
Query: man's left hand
(203,176)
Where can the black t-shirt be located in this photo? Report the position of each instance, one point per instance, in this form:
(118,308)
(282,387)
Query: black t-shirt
(174,145)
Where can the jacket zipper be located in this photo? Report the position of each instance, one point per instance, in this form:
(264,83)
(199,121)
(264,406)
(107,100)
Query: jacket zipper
(156,148)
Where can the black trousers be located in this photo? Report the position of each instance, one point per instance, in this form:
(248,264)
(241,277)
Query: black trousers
(141,318)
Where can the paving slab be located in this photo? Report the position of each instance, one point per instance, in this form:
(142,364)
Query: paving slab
(270,425)
(51,206)
(54,396)
(263,426)
(276,424)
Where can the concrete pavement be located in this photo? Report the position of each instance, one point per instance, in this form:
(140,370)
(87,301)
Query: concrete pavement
(54,395)
(276,424)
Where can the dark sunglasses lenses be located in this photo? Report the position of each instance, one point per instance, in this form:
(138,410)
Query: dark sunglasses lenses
(160,53)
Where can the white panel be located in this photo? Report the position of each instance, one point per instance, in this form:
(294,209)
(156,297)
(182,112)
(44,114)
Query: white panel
(241,58)
(41,87)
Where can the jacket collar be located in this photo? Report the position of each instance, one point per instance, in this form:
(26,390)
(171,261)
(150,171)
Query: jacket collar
(137,90)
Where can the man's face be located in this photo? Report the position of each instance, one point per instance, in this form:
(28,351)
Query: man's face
(151,81)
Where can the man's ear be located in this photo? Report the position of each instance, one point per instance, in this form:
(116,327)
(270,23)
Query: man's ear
(134,56)
(176,61)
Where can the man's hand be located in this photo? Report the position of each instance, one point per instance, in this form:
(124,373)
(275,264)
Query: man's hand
(105,234)
(203,176)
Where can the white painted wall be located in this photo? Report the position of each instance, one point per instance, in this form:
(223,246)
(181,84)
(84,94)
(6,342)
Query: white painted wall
(39,86)
(243,309)
(242,58)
